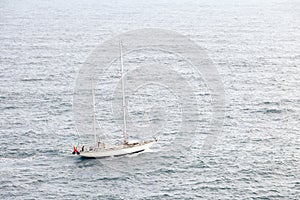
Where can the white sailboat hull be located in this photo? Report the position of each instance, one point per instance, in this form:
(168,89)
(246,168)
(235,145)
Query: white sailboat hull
(117,151)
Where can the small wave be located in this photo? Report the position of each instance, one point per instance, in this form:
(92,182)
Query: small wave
(273,111)
(268,111)
(113,179)
(31,79)
(270,103)
(9,107)
(167,171)
(19,153)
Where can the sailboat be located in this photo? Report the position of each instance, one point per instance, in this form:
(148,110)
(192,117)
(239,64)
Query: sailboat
(102,150)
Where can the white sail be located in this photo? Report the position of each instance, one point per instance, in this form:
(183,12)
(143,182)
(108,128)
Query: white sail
(94,113)
(123,94)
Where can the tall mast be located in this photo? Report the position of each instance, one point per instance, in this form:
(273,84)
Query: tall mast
(94,113)
(123,95)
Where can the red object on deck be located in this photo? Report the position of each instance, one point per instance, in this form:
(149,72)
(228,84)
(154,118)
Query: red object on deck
(75,149)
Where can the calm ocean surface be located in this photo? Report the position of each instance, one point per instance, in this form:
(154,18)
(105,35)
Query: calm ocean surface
(253,44)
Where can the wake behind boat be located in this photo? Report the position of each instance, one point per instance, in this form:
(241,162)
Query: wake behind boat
(102,150)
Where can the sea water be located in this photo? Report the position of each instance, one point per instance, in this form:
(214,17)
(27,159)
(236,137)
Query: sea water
(255,47)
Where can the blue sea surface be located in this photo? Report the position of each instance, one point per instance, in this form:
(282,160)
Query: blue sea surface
(256,50)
